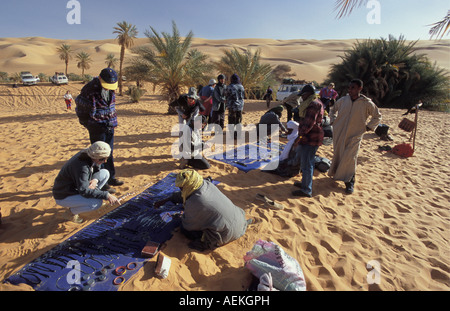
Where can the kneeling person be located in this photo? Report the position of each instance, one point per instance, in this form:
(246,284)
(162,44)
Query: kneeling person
(210,219)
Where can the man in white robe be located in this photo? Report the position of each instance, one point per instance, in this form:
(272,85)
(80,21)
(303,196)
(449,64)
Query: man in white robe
(348,117)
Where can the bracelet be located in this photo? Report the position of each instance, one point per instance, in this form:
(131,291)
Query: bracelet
(119,280)
(132,266)
(120,270)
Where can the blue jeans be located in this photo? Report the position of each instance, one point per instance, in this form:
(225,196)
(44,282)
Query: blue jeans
(79,204)
(307,154)
(106,135)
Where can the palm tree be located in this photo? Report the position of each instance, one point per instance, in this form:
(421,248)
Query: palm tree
(254,75)
(84,61)
(65,54)
(111,60)
(126,33)
(171,64)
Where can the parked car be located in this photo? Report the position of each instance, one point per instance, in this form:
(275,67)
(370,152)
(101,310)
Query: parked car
(59,78)
(28,79)
(287,89)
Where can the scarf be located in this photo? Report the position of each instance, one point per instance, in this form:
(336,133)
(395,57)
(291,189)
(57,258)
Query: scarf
(189,181)
(304,104)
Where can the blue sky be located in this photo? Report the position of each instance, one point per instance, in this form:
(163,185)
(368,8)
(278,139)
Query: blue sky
(229,19)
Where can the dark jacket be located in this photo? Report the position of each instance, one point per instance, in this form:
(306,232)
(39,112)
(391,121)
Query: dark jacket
(74,179)
(219,97)
(92,110)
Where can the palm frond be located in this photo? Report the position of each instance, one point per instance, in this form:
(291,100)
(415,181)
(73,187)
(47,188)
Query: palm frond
(345,7)
(441,27)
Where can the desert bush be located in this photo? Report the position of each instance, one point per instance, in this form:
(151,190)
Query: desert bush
(135,93)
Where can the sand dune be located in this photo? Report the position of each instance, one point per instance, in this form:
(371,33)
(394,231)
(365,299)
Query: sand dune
(309,59)
(399,214)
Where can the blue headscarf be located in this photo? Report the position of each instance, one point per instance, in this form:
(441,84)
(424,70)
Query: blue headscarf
(235,79)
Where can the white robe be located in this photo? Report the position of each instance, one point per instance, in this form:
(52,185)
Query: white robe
(291,139)
(349,119)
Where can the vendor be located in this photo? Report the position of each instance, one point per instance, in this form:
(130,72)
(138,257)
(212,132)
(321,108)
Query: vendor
(210,219)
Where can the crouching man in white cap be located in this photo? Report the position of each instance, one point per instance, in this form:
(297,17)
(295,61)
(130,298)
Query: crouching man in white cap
(78,184)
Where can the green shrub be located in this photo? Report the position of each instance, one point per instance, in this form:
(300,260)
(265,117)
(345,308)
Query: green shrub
(393,75)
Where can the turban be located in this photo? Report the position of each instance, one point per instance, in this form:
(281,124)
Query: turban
(189,181)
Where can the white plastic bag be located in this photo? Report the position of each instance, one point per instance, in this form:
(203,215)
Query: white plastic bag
(268,257)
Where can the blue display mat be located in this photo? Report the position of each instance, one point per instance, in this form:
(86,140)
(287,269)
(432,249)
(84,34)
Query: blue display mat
(252,156)
(88,260)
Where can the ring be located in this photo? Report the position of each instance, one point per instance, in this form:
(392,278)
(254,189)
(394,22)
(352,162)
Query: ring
(119,280)
(132,266)
(120,270)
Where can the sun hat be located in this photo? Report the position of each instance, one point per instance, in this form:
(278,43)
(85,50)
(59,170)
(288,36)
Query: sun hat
(108,79)
(192,93)
(99,150)
(212,82)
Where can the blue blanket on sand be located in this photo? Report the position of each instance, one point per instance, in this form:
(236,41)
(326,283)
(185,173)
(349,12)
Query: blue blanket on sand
(251,156)
(107,251)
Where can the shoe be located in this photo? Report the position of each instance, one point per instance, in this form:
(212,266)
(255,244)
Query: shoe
(109,189)
(115,182)
(183,163)
(300,193)
(349,189)
(298,184)
(350,186)
(77,219)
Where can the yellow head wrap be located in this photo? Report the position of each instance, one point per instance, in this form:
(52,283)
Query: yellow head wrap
(189,181)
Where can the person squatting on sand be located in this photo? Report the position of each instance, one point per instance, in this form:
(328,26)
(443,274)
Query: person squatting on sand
(348,117)
(310,137)
(96,111)
(189,108)
(272,117)
(235,94)
(77,185)
(210,218)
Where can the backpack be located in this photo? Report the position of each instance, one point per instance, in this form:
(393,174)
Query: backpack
(322,164)
(403,150)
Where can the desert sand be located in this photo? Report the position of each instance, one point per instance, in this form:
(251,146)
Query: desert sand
(399,214)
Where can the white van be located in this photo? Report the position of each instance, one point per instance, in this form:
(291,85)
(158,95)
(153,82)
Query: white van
(287,89)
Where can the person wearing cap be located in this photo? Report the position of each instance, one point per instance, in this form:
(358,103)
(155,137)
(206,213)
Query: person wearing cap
(307,95)
(210,218)
(218,107)
(349,117)
(188,108)
(79,182)
(96,111)
(328,96)
(235,94)
(206,95)
(310,137)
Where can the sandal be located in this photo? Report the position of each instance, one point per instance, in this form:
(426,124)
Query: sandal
(268,202)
